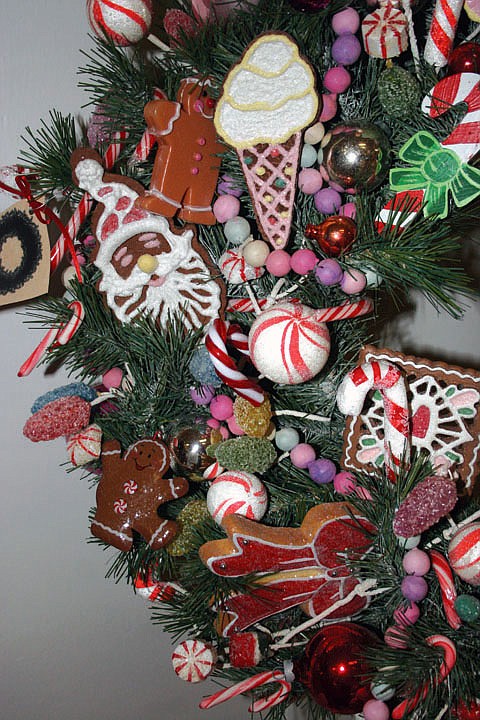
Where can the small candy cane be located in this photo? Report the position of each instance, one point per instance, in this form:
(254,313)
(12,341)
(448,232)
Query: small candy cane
(442,32)
(250,684)
(449,660)
(54,337)
(225,366)
(244,304)
(388,379)
(447,587)
(148,139)
(345,311)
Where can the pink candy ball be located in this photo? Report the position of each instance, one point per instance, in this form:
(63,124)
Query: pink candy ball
(376,710)
(329,107)
(416,562)
(221,407)
(353,281)
(348,210)
(344,483)
(303,261)
(302,455)
(112,378)
(226,207)
(203,395)
(310,181)
(337,80)
(278,263)
(327,201)
(345,21)
(407,616)
(234,427)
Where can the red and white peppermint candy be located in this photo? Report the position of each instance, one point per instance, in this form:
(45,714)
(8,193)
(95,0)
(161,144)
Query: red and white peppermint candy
(464,553)
(125,22)
(120,506)
(237,492)
(441,34)
(85,446)
(385,32)
(236,270)
(250,684)
(130,487)
(447,587)
(194,660)
(388,379)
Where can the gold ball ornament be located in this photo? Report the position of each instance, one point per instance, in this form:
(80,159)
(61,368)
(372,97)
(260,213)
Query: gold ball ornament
(357,157)
(147,263)
(254,421)
(189,447)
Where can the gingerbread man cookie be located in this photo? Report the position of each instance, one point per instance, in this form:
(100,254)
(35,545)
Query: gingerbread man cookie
(130,491)
(187,162)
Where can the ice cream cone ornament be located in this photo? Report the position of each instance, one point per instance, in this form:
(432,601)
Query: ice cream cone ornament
(268,98)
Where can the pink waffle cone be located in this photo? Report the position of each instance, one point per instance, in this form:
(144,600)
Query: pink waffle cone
(271,171)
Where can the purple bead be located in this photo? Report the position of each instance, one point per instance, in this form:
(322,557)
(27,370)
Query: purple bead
(414,588)
(322,471)
(327,201)
(328,272)
(346,49)
(227,187)
(203,395)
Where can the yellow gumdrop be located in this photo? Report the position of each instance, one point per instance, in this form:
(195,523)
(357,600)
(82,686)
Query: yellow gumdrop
(254,421)
(147,263)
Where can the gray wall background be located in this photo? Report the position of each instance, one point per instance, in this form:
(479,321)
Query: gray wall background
(72,644)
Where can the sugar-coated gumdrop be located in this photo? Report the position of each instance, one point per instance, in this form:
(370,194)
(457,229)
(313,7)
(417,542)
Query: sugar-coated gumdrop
(60,417)
(254,421)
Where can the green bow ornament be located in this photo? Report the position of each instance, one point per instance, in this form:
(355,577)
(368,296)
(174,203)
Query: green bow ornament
(436,170)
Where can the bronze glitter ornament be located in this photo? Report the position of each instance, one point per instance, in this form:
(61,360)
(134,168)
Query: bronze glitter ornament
(357,157)
(189,449)
(254,421)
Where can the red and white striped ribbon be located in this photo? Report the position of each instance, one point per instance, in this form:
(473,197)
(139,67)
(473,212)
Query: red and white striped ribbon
(441,34)
(250,684)
(444,575)
(226,367)
(388,379)
(449,660)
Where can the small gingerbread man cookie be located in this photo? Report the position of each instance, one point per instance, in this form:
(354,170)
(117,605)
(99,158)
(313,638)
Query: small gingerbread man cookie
(130,491)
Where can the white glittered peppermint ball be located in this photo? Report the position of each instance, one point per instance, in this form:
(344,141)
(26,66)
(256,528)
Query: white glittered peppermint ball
(287,344)
(464,553)
(125,22)
(194,660)
(85,445)
(237,492)
(235,268)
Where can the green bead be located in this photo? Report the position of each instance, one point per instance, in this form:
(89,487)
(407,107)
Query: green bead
(398,92)
(467,607)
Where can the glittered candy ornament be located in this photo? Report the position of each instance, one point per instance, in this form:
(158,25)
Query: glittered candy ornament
(334,667)
(254,421)
(357,156)
(124,22)
(335,235)
(464,553)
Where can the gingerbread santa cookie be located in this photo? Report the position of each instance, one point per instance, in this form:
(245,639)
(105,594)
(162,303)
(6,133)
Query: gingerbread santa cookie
(148,267)
(187,162)
(130,492)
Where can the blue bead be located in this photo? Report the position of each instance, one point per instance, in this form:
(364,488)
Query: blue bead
(308,156)
(286,439)
(79,389)
(237,230)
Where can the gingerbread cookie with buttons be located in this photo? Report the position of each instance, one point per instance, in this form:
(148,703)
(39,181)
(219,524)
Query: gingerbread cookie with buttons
(130,492)
(187,162)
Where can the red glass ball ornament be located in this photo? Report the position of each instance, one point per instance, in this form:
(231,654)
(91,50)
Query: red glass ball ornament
(309,5)
(335,235)
(333,667)
(465,58)
(467,711)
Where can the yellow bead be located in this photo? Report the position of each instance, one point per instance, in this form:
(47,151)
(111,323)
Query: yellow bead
(268,198)
(147,263)
(288,170)
(260,171)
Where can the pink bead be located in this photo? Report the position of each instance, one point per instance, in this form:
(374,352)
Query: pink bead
(278,263)
(344,483)
(362,493)
(337,80)
(353,281)
(203,395)
(395,637)
(89,241)
(348,210)
(112,378)
(303,261)
(302,455)
(329,107)
(221,407)
(234,427)
(407,616)
(376,710)
(416,562)
(224,432)
(226,207)
(80,258)
(212,423)
(345,21)
(310,181)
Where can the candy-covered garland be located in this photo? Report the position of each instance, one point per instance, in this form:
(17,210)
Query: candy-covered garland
(215,362)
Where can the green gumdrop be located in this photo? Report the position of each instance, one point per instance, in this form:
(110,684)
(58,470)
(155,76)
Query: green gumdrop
(467,607)
(191,516)
(399,92)
(250,454)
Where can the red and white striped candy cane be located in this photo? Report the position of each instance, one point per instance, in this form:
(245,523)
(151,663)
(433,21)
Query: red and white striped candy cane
(344,312)
(54,337)
(148,139)
(444,575)
(442,32)
(250,684)
(225,366)
(449,660)
(388,379)
(244,304)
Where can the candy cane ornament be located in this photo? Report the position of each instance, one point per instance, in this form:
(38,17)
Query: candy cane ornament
(388,379)
(148,139)
(441,34)
(447,587)
(448,663)
(250,684)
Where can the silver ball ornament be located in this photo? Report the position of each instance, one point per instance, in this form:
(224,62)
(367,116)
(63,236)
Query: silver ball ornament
(357,157)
